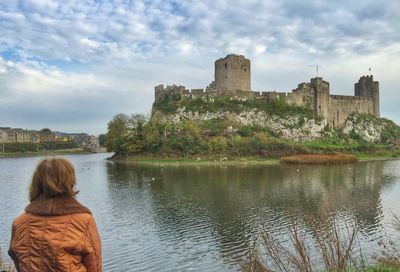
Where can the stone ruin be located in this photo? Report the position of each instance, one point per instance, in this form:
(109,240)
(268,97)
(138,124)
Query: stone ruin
(232,77)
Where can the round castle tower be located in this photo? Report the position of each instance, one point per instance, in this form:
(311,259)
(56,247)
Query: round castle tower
(232,73)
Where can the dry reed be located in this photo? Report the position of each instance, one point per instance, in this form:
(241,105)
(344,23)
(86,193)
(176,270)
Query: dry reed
(334,243)
(4,266)
(319,159)
(389,254)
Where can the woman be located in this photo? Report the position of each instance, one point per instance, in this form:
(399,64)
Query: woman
(56,233)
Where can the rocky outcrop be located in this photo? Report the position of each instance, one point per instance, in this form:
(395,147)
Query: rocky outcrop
(371,129)
(298,128)
(295,128)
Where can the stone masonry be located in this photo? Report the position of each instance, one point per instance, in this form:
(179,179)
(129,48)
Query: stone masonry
(232,73)
(233,78)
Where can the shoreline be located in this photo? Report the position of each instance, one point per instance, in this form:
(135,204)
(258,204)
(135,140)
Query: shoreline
(157,161)
(238,161)
(171,161)
(45,153)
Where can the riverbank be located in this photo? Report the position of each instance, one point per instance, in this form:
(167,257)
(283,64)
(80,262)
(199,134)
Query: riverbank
(200,161)
(45,153)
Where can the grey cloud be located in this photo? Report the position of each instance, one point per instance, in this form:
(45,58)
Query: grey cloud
(121,49)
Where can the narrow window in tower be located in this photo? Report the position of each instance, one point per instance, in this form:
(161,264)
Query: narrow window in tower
(226,65)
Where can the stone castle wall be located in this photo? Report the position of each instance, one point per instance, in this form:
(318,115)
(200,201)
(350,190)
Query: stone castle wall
(232,78)
(341,106)
(171,91)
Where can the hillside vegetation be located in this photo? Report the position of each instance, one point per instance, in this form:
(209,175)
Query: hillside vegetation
(222,127)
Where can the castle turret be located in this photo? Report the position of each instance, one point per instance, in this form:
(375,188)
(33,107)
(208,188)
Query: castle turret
(232,73)
(321,96)
(367,87)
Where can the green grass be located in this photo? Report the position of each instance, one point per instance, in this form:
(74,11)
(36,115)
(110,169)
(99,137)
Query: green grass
(378,156)
(378,268)
(207,161)
(189,161)
(43,153)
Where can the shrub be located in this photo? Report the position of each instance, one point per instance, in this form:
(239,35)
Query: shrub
(59,145)
(217,145)
(21,147)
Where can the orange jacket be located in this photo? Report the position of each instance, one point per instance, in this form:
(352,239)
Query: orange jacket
(55,234)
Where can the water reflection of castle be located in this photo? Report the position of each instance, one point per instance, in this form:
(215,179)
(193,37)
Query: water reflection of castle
(231,202)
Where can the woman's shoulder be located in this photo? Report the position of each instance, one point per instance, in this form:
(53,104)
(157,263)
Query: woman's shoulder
(84,217)
(21,219)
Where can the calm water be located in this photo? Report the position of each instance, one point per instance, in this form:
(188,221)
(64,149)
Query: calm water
(205,218)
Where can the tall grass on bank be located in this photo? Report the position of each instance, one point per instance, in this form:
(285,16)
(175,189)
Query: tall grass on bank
(389,254)
(4,266)
(334,244)
(334,247)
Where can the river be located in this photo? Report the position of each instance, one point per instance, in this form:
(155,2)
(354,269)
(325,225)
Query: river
(205,218)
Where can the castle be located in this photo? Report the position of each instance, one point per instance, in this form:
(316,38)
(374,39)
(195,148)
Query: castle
(233,78)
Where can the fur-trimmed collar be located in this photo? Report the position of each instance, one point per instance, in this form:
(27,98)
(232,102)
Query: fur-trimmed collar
(53,206)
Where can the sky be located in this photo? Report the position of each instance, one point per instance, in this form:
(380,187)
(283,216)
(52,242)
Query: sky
(72,65)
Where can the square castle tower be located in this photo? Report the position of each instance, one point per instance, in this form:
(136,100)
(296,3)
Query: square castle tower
(232,73)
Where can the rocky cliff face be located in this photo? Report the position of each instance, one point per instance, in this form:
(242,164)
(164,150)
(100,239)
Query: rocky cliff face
(371,129)
(297,128)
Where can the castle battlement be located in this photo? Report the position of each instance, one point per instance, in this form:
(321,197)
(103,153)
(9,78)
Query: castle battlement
(232,78)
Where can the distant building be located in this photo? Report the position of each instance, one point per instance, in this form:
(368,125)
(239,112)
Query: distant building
(92,143)
(14,135)
(87,141)
(11,136)
(34,136)
(3,135)
(21,136)
(46,135)
(80,138)
(63,138)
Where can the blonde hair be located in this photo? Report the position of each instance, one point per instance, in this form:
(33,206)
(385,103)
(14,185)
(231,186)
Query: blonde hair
(53,177)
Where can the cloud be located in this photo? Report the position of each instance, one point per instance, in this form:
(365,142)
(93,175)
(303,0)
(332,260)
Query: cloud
(73,64)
